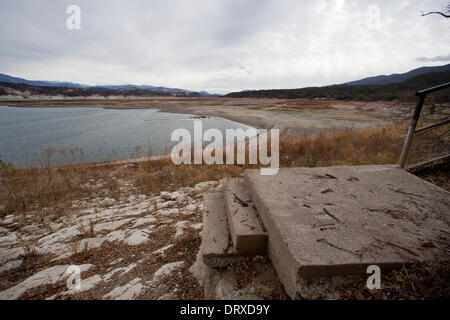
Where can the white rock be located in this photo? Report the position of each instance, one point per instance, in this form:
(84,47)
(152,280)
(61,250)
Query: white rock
(8,219)
(85,285)
(202,186)
(10,265)
(191,192)
(107,202)
(168,296)
(48,276)
(197,226)
(11,238)
(144,220)
(182,200)
(113,225)
(168,212)
(126,292)
(10,254)
(189,209)
(137,237)
(161,250)
(166,195)
(3,231)
(167,269)
(118,235)
(180,225)
(122,270)
(31,228)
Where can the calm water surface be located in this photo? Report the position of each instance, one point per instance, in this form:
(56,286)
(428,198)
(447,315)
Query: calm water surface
(33,136)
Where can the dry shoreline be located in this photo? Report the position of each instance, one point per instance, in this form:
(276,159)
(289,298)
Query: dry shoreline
(294,117)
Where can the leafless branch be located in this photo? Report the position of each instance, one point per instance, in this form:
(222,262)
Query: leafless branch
(436,12)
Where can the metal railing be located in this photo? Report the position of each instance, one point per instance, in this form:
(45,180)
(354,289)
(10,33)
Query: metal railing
(415,118)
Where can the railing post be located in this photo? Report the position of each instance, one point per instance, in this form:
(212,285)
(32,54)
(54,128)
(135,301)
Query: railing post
(412,128)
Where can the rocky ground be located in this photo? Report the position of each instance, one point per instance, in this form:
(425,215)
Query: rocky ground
(139,247)
(147,247)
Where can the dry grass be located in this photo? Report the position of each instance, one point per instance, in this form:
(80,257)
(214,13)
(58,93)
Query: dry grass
(33,189)
(380,145)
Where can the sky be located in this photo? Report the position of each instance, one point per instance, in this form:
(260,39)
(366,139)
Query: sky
(220,46)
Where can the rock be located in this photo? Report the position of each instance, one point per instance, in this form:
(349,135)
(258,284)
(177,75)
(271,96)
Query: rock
(107,202)
(31,228)
(126,292)
(10,265)
(202,186)
(8,219)
(168,296)
(165,195)
(168,212)
(163,249)
(180,226)
(182,200)
(115,236)
(191,192)
(85,285)
(132,198)
(174,195)
(167,269)
(110,225)
(141,221)
(137,237)
(48,276)
(225,291)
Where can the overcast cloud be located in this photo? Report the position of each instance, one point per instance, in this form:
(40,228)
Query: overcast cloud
(220,46)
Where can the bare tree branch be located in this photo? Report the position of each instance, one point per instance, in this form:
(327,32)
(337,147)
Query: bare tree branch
(445,15)
(436,12)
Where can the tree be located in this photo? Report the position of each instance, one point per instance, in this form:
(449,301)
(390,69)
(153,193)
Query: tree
(444,14)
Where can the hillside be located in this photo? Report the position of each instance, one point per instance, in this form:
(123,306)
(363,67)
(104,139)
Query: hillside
(149,90)
(27,91)
(403,91)
(398,77)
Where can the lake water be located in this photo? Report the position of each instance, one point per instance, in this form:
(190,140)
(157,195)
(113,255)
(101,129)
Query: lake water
(32,136)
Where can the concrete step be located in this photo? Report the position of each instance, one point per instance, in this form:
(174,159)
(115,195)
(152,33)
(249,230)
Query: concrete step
(336,221)
(247,234)
(216,247)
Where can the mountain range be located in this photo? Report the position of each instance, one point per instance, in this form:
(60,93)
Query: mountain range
(401,87)
(383,87)
(397,77)
(10,79)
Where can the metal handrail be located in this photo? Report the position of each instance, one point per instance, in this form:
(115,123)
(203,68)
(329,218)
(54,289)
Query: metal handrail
(415,118)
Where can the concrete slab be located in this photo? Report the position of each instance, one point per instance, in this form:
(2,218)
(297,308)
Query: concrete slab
(216,247)
(336,221)
(247,234)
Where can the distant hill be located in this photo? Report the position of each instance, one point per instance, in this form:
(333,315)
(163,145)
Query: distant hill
(397,77)
(182,92)
(30,91)
(403,91)
(10,79)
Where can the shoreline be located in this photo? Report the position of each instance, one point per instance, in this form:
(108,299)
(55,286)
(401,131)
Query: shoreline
(291,116)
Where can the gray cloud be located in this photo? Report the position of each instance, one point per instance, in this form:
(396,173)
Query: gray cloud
(434,59)
(218,45)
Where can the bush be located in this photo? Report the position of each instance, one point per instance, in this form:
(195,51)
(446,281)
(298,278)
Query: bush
(3,164)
